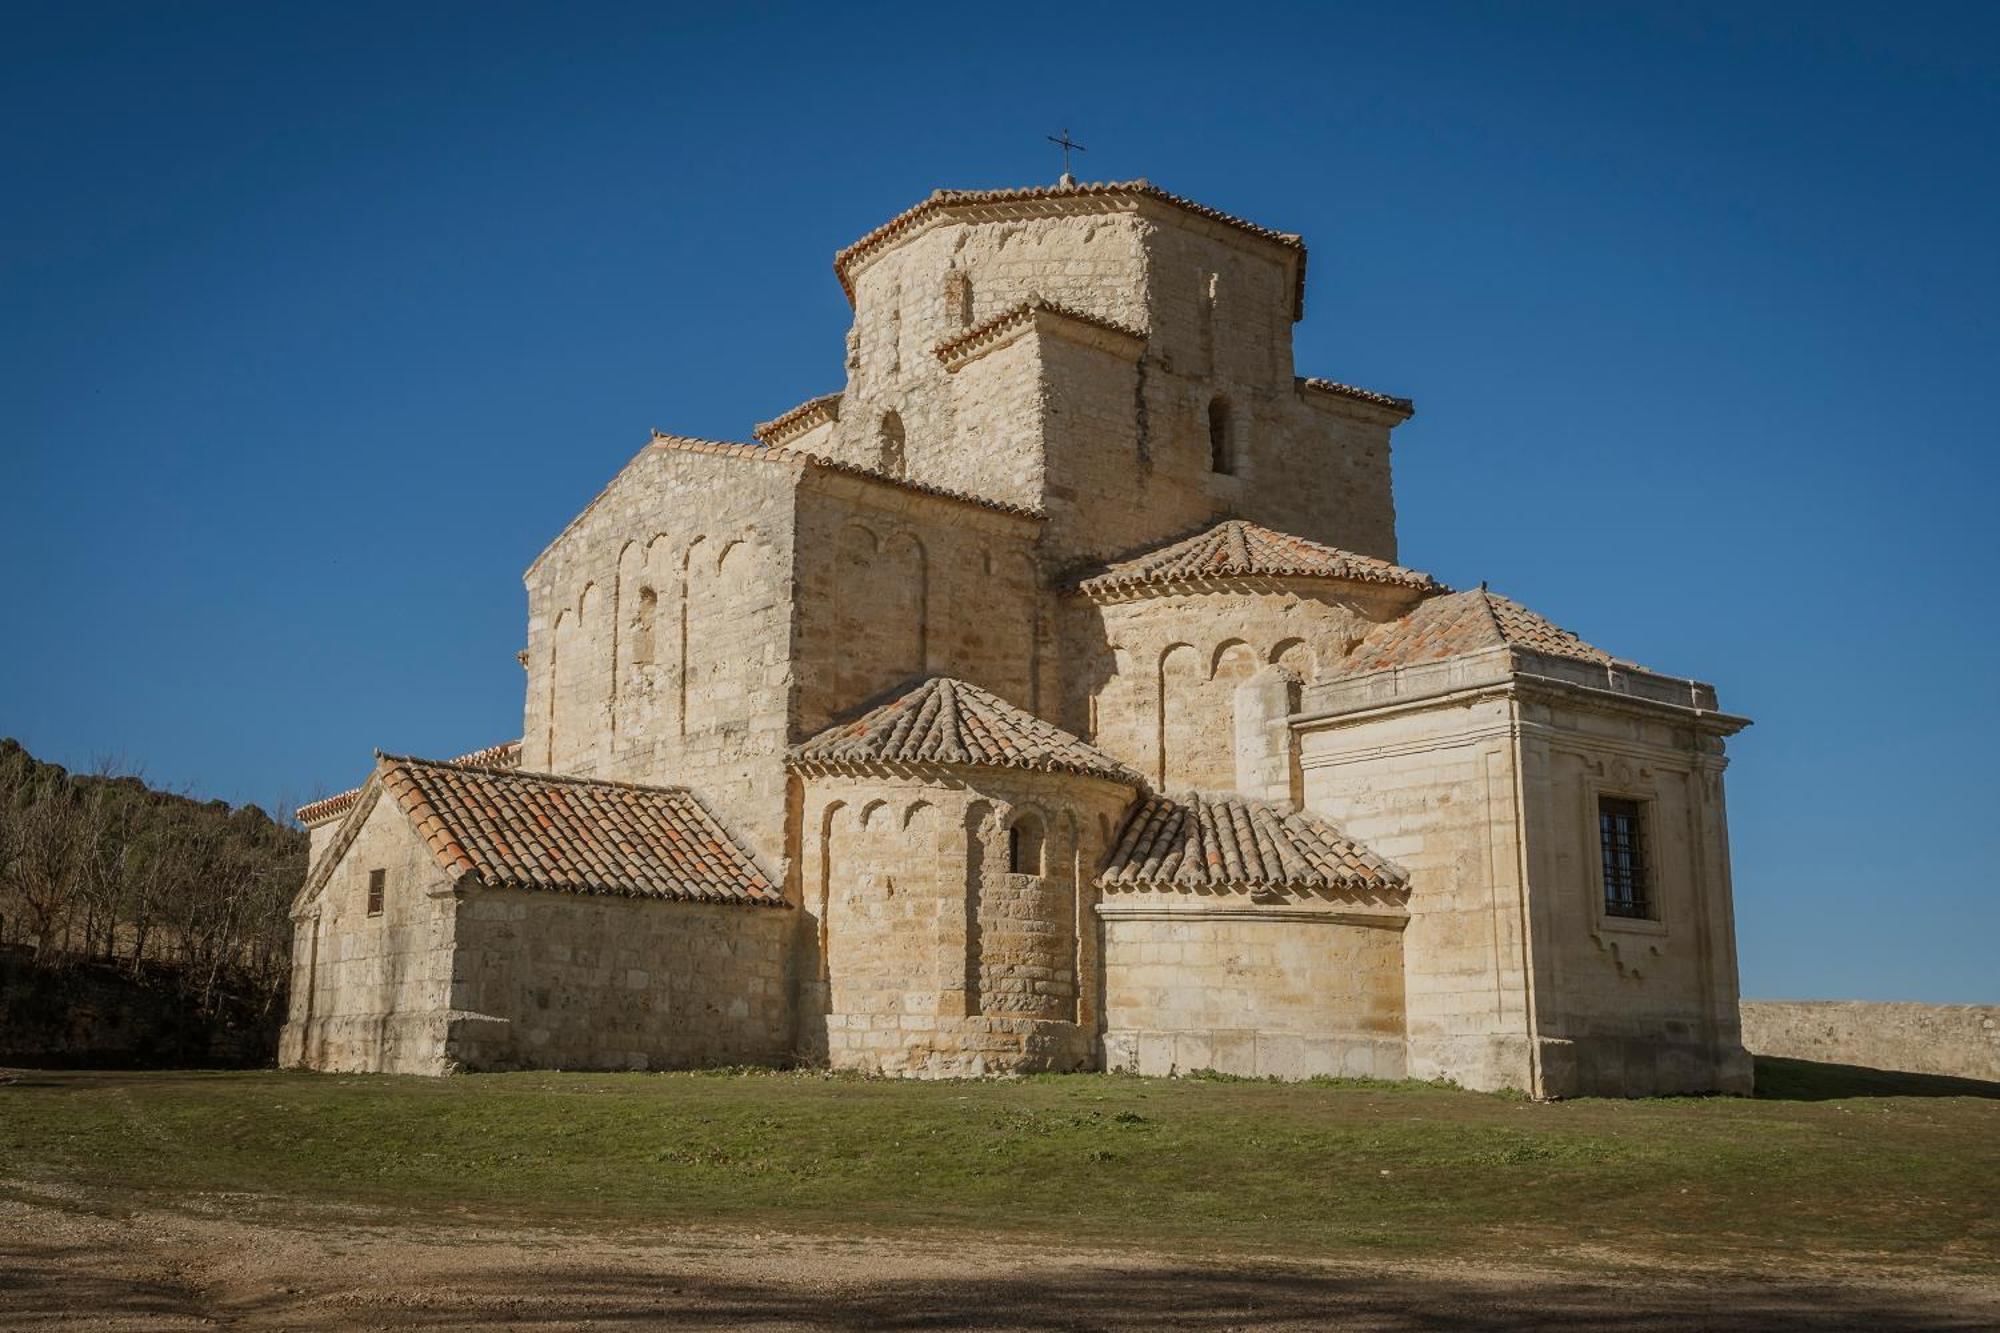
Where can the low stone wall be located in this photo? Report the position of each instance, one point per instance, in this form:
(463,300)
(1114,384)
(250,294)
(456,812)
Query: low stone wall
(1957,1040)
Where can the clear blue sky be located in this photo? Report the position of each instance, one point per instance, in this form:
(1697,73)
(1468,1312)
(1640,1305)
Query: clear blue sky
(319,321)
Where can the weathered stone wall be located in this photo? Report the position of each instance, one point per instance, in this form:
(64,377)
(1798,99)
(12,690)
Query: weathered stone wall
(1221,983)
(1955,1040)
(1629,1007)
(372,993)
(1154,673)
(660,634)
(1116,451)
(930,955)
(573,981)
(894,585)
(1480,777)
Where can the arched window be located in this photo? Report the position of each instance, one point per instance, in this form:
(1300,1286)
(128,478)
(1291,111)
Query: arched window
(1024,844)
(642,627)
(891,441)
(1221,457)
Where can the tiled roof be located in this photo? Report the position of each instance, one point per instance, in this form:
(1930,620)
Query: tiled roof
(987,330)
(1234,549)
(946,721)
(942,200)
(507,754)
(1198,842)
(1462,622)
(1404,406)
(508,829)
(812,412)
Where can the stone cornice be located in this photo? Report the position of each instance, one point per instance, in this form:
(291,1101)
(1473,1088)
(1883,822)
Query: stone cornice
(1040,316)
(1505,677)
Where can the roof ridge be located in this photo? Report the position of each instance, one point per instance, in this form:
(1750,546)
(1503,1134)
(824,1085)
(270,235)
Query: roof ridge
(1221,841)
(1238,548)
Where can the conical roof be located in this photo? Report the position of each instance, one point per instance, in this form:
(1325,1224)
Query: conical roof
(1237,549)
(944,720)
(1229,842)
(1463,622)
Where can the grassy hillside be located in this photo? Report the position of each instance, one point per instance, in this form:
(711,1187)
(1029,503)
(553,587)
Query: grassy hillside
(1814,1178)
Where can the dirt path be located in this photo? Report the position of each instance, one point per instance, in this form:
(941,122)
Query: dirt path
(65,1269)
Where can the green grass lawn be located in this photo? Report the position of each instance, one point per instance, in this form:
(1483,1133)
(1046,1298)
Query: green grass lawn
(1903,1175)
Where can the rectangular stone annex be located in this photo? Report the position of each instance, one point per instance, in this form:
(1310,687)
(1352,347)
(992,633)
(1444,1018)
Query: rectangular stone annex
(1048,696)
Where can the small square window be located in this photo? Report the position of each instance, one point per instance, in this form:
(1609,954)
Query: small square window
(1621,830)
(377,879)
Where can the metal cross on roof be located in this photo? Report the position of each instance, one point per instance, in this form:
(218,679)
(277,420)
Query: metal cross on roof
(1066,144)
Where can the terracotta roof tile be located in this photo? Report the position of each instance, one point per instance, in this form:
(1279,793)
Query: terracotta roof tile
(947,721)
(1199,842)
(507,754)
(812,412)
(509,829)
(989,329)
(944,200)
(1404,406)
(1458,623)
(1234,549)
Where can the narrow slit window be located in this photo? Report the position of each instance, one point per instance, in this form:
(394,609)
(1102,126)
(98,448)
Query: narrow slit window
(1024,846)
(1621,828)
(1221,458)
(377,880)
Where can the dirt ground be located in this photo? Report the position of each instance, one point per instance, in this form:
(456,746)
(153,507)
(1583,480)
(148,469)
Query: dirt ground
(223,1265)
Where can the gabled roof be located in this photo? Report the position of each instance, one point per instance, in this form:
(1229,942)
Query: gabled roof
(945,721)
(1235,549)
(507,754)
(941,201)
(501,828)
(1463,622)
(1200,842)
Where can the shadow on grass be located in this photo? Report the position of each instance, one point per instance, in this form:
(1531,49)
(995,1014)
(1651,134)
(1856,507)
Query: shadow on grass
(59,1284)
(1781,1080)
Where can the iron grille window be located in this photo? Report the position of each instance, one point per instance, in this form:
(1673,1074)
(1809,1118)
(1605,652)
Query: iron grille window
(1621,830)
(376,878)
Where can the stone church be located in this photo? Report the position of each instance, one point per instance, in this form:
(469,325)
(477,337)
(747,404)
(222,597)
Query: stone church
(1049,696)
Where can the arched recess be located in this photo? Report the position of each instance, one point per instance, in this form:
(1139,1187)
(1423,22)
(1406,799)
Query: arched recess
(905,623)
(980,827)
(1070,845)
(1027,843)
(856,594)
(690,575)
(827,820)
(1297,656)
(1176,712)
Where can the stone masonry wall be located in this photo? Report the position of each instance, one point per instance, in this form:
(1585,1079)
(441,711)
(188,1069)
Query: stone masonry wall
(573,981)
(371,993)
(929,954)
(894,586)
(1630,1007)
(1153,674)
(1954,1040)
(660,632)
(1227,985)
